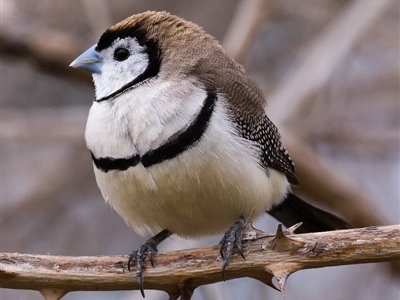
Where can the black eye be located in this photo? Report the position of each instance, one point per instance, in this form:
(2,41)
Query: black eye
(121,54)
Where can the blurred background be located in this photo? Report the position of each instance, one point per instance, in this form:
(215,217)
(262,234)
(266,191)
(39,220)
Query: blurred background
(330,72)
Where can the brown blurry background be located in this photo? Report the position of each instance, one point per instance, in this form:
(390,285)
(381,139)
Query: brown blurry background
(330,72)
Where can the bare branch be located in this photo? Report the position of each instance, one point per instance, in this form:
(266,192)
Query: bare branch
(321,57)
(98,15)
(180,272)
(325,182)
(249,15)
(50,51)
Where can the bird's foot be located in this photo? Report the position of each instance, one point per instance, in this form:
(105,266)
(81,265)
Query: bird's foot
(232,237)
(147,248)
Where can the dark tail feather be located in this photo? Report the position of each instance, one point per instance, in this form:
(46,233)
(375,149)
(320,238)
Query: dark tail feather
(294,210)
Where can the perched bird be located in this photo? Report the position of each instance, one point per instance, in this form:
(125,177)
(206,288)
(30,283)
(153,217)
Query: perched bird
(180,140)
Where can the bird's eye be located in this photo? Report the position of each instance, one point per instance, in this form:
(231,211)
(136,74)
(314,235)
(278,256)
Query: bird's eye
(121,54)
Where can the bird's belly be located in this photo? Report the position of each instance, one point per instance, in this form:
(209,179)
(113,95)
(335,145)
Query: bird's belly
(192,197)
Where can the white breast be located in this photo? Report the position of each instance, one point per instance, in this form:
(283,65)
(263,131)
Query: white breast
(203,190)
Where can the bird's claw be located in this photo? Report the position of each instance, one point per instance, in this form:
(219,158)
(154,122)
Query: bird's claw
(147,248)
(231,237)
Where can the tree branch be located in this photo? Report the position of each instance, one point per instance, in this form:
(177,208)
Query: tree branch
(249,16)
(318,61)
(179,273)
(49,50)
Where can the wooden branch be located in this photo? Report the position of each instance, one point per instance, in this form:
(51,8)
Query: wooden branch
(332,187)
(179,273)
(249,16)
(98,15)
(320,58)
(49,50)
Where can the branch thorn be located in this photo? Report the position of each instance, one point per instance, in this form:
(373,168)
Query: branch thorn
(50,294)
(249,231)
(293,228)
(281,242)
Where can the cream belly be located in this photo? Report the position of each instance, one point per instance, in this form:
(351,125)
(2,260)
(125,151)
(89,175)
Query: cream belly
(201,192)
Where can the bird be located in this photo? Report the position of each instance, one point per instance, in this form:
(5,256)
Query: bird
(180,139)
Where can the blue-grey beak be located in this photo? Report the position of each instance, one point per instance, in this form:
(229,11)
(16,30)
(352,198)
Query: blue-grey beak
(88,61)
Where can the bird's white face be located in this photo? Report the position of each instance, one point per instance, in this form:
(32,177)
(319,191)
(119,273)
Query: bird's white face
(121,65)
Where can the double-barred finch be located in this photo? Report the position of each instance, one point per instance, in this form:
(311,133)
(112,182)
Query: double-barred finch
(180,140)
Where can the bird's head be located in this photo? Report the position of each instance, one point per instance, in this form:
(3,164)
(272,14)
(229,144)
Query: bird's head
(143,48)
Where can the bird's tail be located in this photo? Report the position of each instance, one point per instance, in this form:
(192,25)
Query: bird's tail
(294,210)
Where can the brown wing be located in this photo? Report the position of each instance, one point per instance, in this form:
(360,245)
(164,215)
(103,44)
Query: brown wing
(247,107)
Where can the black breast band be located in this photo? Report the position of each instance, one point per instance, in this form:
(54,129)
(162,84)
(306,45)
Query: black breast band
(176,144)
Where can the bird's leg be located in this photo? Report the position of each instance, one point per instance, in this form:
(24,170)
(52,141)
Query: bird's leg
(148,248)
(231,237)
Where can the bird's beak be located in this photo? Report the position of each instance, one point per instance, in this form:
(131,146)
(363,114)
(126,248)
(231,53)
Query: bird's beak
(88,61)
